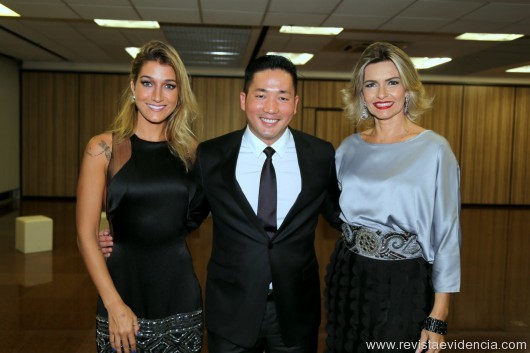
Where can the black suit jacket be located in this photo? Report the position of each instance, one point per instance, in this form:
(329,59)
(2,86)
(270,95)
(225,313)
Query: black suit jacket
(244,259)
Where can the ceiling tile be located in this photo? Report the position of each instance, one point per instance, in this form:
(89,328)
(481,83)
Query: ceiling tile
(440,9)
(239,5)
(15,47)
(98,2)
(294,43)
(169,15)
(500,12)
(373,8)
(355,22)
(236,18)
(90,12)
(68,42)
(521,27)
(402,23)
(274,41)
(305,6)
(292,19)
(168,4)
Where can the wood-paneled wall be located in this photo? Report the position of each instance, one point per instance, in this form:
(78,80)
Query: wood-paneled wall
(445,116)
(487,135)
(488,127)
(220,107)
(521,148)
(50,140)
(322,94)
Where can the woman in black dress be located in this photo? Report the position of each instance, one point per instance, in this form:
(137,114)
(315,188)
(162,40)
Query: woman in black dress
(149,296)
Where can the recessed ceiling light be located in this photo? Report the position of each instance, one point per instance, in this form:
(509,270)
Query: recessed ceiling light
(132,51)
(6,11)
(524,69)
(222,53)
(128,24)
(425,63)
(495,37)
(323,31)
(296,58)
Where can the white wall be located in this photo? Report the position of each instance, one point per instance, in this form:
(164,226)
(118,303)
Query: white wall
(9,125)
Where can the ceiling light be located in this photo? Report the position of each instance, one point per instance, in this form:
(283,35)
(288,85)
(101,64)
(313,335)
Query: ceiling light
(5,11)
(324,31)
(524,69)
(296,58)
(222,53)
(425,63)
(495,37)
(127,24)
(132,51)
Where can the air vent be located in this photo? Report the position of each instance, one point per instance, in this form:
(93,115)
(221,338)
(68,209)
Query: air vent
(222,46)
(355,47)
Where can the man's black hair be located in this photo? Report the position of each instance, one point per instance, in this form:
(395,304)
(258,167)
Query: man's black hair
(269,62)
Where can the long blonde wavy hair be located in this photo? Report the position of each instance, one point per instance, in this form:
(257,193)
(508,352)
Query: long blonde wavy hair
(180,129)
(377,52)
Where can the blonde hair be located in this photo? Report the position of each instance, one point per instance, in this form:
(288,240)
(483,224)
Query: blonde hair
(180,129)
(377,52)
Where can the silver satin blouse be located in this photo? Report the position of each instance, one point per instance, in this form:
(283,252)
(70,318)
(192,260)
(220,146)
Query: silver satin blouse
(411,186)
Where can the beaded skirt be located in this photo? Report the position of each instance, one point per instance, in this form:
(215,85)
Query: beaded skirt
(180,333)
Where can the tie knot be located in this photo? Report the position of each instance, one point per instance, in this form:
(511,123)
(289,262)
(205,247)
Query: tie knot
(269,151)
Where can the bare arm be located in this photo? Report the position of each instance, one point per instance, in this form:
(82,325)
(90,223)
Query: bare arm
(90,191)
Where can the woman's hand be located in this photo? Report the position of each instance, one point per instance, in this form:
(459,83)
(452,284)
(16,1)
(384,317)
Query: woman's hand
(430,341)
(105,242)
(123,328)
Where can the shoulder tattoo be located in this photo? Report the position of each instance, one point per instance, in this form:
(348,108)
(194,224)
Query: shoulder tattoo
(104,149)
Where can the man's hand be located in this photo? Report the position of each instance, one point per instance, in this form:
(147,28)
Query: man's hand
(105,242)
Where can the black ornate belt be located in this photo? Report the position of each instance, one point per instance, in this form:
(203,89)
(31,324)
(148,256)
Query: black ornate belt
(379,245)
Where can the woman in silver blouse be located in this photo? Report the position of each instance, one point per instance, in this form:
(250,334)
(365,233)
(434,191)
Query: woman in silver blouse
(392,271)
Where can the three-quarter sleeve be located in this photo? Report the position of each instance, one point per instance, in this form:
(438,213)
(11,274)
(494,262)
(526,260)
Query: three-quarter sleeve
(446,233)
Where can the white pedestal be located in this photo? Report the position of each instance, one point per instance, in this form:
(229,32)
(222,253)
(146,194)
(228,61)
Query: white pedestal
(34,234)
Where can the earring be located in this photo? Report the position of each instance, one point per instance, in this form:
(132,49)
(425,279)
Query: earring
(406,107)
(364,112)
(133,99)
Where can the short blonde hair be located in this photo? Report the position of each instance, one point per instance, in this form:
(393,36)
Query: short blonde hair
(377,52)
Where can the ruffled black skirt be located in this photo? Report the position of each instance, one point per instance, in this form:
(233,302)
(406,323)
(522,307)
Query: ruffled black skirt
(372,302)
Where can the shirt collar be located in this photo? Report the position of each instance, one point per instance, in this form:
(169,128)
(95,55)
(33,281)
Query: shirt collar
(257,146)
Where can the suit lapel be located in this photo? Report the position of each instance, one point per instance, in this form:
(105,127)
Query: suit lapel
(303,154)
(229,174)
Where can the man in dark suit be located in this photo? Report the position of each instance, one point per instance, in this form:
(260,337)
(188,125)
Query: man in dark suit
(262,289)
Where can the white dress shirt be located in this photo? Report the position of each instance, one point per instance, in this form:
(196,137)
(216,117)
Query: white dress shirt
(285,160)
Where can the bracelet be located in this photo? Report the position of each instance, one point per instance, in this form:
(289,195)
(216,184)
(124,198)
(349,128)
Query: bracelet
(435,325)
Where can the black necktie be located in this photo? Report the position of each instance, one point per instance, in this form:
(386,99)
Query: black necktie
(267,194)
